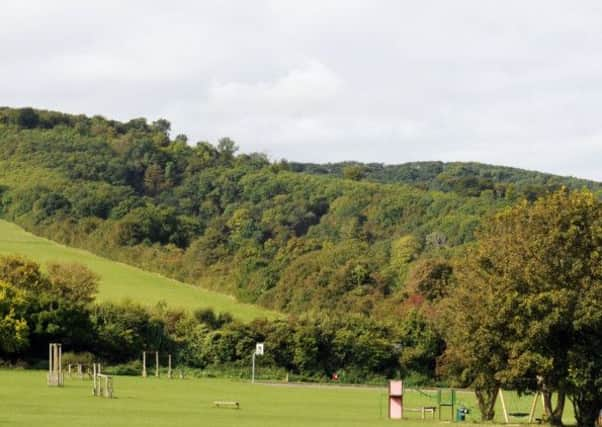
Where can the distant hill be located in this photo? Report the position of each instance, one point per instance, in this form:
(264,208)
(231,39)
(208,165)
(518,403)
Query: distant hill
(466,178)
(293,237)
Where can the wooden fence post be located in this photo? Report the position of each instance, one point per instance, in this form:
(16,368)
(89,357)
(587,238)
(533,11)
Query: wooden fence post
(156,363)
(144,364)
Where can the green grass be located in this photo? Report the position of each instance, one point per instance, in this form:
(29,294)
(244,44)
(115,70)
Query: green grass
(517,406)
(119,281)
(26,400)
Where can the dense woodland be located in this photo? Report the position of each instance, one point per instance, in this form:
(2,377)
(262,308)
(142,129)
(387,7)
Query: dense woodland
(240,224)
(237,223)
(368,260)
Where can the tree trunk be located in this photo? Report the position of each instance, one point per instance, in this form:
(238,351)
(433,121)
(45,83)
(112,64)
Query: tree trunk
(554,414)
(586,409)
(486,399)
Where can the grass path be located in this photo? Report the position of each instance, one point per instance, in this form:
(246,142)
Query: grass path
(120,281)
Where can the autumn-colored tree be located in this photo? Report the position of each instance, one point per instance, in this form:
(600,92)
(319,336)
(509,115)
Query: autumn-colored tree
(22,273)
(530,297)
(430,278)
(73,282)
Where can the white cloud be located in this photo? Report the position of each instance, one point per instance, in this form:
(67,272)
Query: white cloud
(510,82)
(300,92)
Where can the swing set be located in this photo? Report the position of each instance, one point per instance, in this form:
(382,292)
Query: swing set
(530,414)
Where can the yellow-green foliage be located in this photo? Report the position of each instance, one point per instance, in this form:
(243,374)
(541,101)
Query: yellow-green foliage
(403,251)
(13,327)
(119,281)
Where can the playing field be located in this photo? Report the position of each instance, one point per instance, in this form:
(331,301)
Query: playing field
(119,281)
(26,400)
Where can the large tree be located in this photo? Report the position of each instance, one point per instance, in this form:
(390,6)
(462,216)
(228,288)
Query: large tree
(529,303)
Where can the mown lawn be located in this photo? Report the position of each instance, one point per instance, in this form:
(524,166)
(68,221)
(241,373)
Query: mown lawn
(120,281)
(26,400)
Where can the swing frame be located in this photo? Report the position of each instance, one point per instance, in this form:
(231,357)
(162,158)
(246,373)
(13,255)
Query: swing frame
(507,414)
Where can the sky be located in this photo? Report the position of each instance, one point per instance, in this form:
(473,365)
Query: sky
(516,83)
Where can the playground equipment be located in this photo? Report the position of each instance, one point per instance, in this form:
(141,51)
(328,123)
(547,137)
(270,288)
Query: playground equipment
(530,414)
(102,385)
(169,370)
(55,359)
(79,370)
(432,400)
(396,400)
(446,398)
(79,373)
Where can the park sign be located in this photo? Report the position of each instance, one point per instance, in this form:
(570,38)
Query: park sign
(258,352)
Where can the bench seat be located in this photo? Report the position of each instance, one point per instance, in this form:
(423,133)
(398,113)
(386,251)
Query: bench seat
(227,404)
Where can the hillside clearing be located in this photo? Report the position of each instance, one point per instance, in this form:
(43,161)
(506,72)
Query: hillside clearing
(120,281)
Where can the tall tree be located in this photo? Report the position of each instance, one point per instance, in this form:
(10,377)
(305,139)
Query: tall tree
(534,285)
(227,148)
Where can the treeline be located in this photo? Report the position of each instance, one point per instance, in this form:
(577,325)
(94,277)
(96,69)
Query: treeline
(37,308)
(464,178)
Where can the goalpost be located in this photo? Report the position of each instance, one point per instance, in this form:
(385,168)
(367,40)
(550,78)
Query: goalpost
(169,368)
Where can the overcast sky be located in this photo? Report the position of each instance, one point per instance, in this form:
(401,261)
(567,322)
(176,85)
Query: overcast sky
(516,83)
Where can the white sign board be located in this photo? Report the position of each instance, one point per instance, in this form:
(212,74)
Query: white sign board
(259,349)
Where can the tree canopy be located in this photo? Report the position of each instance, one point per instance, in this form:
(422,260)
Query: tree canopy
(527,310)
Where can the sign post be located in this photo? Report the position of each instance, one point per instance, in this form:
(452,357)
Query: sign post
(258,352)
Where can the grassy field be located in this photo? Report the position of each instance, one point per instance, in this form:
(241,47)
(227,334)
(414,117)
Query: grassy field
(25,400)
(119,281)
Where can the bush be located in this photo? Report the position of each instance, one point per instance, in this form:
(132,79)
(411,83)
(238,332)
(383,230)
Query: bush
(133,368)
(84,358)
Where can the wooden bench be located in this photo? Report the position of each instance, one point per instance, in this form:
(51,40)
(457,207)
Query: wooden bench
(233,404)
(423,411)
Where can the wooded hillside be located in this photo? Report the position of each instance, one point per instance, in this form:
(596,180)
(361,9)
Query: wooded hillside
(380,279)
(266,232)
